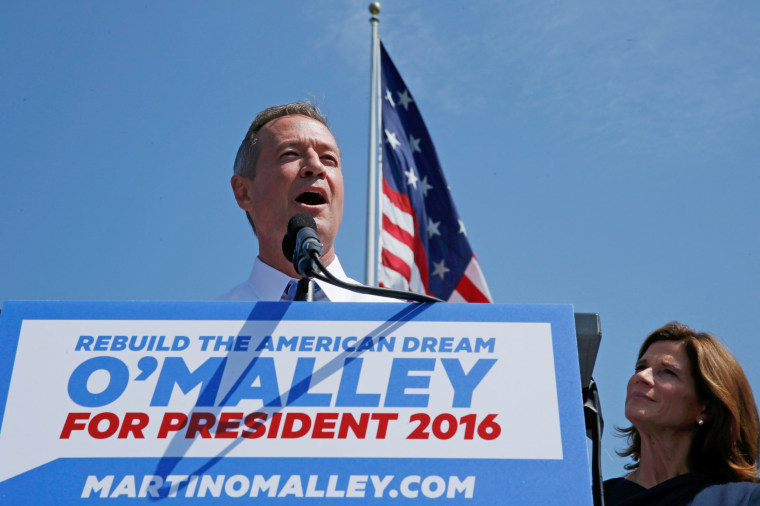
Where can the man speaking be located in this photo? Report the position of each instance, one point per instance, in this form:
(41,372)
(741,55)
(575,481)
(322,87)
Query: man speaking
(289,163)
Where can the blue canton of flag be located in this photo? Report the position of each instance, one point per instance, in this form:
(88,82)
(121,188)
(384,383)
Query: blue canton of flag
(423,243)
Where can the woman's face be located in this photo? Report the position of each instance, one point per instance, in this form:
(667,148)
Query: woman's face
(661,395)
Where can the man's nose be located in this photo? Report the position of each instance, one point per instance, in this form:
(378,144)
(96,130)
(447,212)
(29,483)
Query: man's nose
(312,166)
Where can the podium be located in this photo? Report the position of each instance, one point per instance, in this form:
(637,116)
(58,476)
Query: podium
(291,403)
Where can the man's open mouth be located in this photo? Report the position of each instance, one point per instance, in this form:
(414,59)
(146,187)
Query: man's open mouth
(311,198)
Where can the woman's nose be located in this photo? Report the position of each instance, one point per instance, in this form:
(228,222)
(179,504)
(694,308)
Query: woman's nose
(644,375)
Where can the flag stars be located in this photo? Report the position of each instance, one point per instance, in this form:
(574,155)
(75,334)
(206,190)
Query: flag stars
(440,269)
(462,230)
(411,178)
(414,144)
(433,228)
(404,99)
(426,188)
(391,137)
(389,97)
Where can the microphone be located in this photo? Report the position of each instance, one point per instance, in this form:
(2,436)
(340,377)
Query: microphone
(298,246)
(299,243)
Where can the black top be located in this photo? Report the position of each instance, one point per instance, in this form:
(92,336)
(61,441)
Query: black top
(688,489)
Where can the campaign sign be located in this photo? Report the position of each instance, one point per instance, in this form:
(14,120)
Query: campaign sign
(290,403)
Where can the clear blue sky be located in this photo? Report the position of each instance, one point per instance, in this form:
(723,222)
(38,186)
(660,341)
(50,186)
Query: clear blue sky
(602,154)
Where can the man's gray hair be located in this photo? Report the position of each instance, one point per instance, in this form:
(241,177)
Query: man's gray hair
(250,148)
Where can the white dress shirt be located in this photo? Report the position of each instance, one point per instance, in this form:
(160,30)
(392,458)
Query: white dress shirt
(267,283)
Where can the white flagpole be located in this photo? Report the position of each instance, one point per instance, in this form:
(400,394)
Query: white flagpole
(374,121)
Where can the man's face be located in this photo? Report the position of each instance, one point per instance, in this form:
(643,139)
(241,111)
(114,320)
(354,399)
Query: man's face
(298,171)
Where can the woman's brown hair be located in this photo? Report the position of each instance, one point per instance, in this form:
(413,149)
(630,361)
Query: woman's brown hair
(726,447)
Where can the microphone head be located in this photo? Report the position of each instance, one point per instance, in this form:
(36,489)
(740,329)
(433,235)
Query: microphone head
(296,223)
(299,221)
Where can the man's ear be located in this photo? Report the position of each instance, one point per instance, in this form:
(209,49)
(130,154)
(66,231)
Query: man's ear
(241,187)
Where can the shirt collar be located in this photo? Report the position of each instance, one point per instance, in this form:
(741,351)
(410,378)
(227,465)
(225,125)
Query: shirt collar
(268,283)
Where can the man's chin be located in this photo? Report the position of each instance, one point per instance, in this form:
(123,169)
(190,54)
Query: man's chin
(325,221)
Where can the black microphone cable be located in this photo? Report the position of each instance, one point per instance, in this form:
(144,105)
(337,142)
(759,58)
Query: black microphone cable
(327,277)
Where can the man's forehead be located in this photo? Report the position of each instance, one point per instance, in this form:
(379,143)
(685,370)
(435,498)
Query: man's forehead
(296,125)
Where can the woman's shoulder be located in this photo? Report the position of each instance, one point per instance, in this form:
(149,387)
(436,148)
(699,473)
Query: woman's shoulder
(737,493)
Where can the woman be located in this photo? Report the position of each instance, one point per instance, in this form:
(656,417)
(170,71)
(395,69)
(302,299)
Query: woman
(695,433)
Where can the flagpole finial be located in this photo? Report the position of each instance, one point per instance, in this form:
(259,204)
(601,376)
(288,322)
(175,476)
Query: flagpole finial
(374,8)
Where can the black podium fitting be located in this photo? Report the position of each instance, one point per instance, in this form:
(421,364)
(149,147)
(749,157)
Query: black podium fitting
(305,290)
(588,332)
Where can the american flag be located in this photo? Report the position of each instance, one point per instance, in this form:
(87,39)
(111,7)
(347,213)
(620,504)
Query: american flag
(423,243)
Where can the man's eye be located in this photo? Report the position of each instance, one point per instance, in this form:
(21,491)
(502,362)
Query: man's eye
(329,160)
